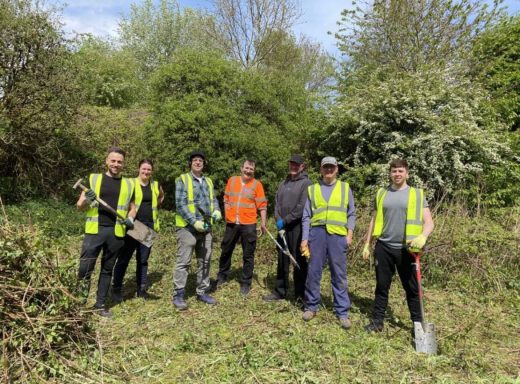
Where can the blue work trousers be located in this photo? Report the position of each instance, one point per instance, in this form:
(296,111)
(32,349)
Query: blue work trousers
(332,248)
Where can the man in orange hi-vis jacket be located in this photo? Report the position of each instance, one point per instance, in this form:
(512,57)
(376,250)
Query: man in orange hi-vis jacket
(244,196)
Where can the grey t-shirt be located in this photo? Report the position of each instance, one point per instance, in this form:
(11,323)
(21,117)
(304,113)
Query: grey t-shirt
(395,205)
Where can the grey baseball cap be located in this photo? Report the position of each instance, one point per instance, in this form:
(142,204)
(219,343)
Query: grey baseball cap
(329,160)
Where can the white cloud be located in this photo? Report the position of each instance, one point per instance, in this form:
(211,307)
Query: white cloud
(98,25)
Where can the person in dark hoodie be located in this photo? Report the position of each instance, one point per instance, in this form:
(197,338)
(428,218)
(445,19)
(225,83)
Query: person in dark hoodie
(290,200)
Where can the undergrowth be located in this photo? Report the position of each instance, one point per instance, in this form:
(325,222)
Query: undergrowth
(471,275)
(46,334)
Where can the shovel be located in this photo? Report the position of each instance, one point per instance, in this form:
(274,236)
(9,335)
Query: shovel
(425,341)
(140,232)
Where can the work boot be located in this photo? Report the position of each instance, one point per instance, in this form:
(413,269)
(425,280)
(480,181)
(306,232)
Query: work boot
(207,299)
(102,311)
(308,315)
(345,322)
(178,300)
(272,297)
(117,295)
(374,326)
(142,293)
(244,289)
(220,282)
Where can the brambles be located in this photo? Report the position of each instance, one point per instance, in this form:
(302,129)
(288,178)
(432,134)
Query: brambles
(43,327)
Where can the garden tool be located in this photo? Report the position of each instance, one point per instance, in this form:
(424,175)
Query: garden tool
(424,332)
(140,232)
(206,218)
(285,251)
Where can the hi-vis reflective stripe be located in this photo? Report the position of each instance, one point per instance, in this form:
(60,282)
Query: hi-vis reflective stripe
(243,205)
(414,213)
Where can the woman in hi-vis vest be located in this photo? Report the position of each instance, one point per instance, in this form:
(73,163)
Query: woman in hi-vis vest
(148,195)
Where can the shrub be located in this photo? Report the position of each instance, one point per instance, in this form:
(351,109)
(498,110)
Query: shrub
(43,328)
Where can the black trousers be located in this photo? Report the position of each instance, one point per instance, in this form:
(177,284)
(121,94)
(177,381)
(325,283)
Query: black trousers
(142,253)
(105,240)
(247,234)
(293,236)
(387,260)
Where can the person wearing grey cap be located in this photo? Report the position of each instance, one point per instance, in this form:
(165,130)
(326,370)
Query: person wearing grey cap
(290,200)
(328,223)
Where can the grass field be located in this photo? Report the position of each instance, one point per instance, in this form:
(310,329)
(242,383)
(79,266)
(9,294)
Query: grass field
(246,340)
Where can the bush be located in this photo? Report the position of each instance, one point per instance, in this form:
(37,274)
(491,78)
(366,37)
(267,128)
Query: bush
(203,101)
(43,328)
(479,252)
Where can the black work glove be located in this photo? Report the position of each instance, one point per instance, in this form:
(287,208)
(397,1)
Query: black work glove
(90,195)
(129,222)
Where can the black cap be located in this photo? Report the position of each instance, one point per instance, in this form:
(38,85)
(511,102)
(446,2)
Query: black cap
(298,159)
(196,152)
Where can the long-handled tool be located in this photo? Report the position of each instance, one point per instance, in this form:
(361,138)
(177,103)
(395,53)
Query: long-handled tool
(425,340)
(285,251)
(140,232)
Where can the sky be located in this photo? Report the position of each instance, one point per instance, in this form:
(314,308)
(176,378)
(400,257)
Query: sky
(101,17)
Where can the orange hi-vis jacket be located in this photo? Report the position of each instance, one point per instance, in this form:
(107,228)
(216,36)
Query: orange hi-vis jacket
(242,201)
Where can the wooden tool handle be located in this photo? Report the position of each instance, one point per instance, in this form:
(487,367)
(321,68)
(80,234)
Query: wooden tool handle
(80,185)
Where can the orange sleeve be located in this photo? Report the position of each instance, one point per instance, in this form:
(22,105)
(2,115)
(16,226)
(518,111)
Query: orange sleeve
(226,192)
(260,200)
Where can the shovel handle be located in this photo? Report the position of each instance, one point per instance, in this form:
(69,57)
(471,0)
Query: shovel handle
(80,185)
(416,256)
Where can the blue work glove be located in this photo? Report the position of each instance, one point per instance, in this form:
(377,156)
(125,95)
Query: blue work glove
(217,216)
(279,224)
(129,222)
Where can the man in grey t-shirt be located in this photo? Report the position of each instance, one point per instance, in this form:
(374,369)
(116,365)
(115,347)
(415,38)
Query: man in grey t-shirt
(401,219)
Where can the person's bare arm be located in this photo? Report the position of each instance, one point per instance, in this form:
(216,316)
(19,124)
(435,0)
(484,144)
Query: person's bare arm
(82,203)
(428,222)
(263,220)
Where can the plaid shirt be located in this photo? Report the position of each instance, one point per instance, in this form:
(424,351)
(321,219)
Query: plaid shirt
(200,197)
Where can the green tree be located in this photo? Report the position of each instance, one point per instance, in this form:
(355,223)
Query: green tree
(107,76)
(203,101)
(38,98)
(406,90)
(409,34)
(496,53)
(152,32)
(304,60)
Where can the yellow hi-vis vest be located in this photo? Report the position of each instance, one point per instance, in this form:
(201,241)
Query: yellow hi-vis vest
(125,194)
(332,214)
(154,186)
(186,178)
(414,213)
